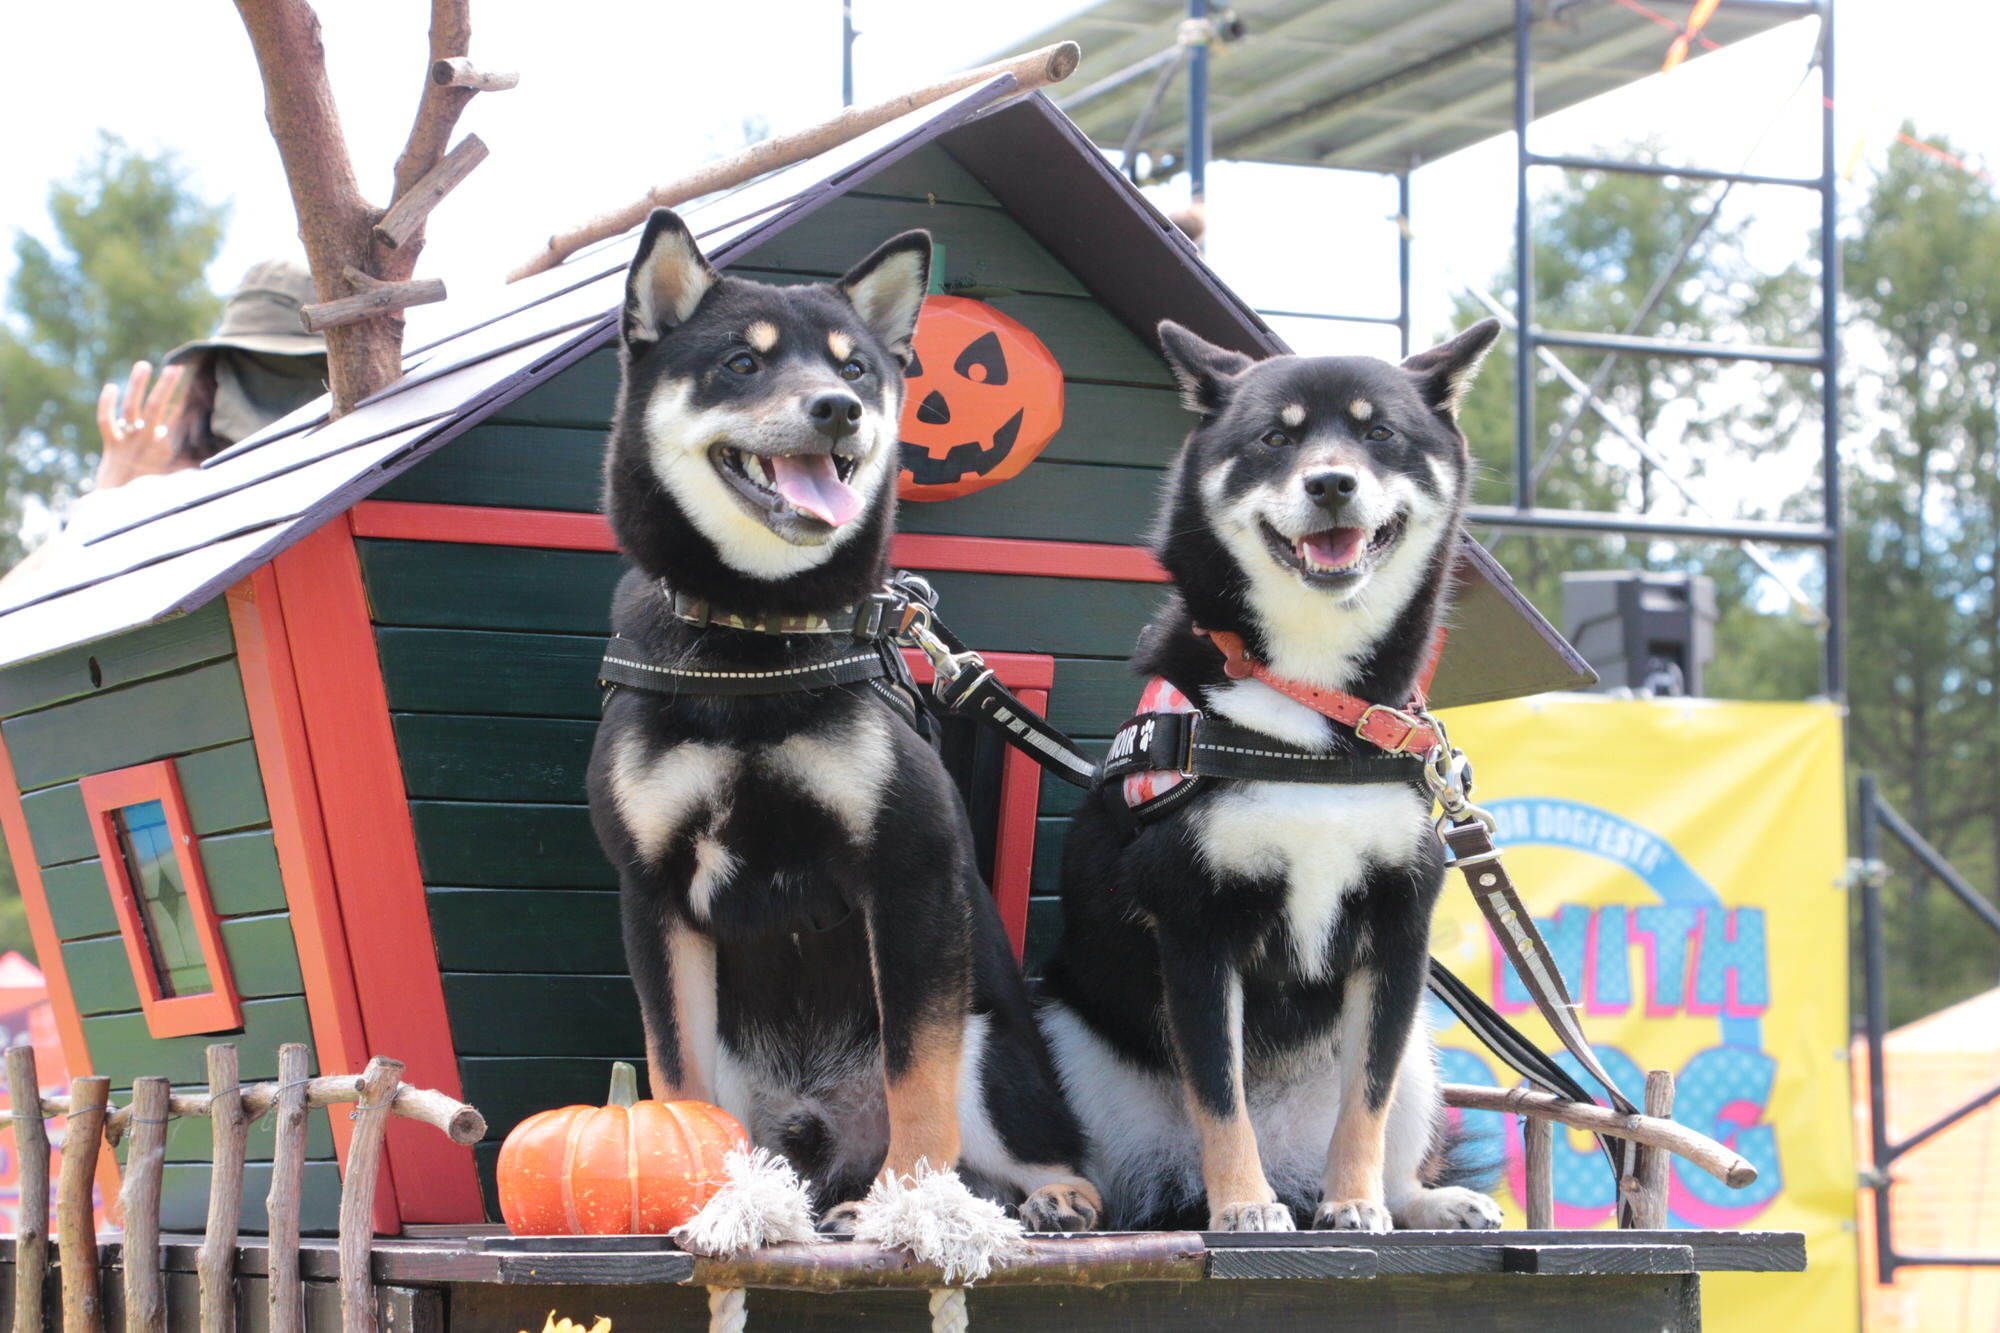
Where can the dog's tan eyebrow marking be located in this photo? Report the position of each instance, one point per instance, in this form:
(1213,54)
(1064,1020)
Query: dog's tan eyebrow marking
(840,345)
(763,335)
(1362,409)
(1293,415)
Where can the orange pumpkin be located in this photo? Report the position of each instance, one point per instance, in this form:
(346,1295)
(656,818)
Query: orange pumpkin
(630,1167)
(982,397)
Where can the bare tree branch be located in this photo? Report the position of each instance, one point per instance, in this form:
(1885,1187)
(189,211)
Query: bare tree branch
(462,73)
(405,217)
(439,107)
(375,299)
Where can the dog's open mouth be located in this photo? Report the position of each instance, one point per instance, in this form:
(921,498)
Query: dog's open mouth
(812,484)
(1334,555)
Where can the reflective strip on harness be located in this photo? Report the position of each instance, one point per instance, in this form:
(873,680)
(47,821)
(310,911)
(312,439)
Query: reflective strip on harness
(624,664)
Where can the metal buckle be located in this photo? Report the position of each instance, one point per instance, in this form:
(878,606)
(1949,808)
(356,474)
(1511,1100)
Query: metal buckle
(1411,724)
(1187,756)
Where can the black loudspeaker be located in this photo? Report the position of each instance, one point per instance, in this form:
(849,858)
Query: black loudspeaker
(1647,634)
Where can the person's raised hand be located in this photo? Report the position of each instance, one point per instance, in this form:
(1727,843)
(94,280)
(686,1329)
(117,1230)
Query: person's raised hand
(138,438)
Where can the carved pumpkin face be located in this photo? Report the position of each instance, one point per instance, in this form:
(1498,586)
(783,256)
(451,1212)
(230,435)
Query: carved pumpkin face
(982,396)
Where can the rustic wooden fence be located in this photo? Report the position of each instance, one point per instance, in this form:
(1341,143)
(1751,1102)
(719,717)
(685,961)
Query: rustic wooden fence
(377,1093)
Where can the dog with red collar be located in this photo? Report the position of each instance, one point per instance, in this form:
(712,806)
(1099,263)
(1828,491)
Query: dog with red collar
(1247,893)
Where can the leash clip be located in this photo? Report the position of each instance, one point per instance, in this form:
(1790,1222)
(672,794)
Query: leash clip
(1448,774)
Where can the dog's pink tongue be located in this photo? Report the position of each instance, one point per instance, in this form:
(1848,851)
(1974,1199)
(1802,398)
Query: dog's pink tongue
(1334,547)
(809,482)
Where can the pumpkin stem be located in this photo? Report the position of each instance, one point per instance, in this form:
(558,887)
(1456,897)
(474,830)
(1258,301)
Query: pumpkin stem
(624,1085)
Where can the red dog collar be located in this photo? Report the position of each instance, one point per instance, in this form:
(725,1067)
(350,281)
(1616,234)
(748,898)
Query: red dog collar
(1396,730)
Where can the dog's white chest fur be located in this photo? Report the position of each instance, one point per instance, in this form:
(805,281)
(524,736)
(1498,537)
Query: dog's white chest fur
(1322,840)
(662,794)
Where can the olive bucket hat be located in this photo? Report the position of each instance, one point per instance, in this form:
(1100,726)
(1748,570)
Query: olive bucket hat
(262,315)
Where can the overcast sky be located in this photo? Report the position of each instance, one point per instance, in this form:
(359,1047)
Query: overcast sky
(616,95)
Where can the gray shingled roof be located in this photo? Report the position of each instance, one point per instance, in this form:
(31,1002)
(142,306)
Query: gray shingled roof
(266,493)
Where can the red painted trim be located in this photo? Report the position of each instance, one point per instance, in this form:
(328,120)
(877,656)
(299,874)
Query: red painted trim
(218,1009)
(410,521)
(1014,555)
(48,949)
(553,529)
(373,850)
(1029,675)
(277,725)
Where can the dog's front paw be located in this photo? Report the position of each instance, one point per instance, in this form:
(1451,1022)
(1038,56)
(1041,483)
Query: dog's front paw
(1452,1208)
(1252,1217)
(1064,1206)
(1353,1215)
(839,1219)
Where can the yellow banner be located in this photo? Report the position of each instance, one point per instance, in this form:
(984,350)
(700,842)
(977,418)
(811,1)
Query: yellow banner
(1686,861)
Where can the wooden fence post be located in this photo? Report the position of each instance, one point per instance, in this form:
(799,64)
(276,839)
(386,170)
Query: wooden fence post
(357,1195)
(76,1219)
(31,1145)
(1655,1163)
(1538,1137)
(288,1164)
(216,1264)
(145,1162)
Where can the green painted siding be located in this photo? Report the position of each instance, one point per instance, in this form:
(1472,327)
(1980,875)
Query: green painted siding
(167,691)
(489,654)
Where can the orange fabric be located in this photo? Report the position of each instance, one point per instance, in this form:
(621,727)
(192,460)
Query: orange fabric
(1946,1198)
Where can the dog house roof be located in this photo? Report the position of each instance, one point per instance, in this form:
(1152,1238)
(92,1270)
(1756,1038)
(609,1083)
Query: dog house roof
(214,526)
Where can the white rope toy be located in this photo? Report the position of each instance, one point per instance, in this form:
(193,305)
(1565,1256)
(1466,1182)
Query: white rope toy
(939,1221)
(763,1203)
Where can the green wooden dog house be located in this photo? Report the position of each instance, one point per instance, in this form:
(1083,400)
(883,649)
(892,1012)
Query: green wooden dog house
(300,756)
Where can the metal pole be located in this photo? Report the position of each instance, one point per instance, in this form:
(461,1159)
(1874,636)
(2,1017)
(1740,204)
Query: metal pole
(1403,255)
(1874,973)
(1835,671)
(847,52)
(1524,262)
(1199,140)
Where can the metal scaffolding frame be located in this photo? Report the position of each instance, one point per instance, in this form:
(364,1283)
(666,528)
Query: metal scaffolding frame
(1535,344)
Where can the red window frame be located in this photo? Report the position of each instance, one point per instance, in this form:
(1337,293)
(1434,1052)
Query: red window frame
(218,1009)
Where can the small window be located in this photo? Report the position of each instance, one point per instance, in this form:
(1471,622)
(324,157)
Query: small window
(172,938)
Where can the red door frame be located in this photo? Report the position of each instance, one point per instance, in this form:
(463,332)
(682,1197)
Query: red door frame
(335,678)
(284,758)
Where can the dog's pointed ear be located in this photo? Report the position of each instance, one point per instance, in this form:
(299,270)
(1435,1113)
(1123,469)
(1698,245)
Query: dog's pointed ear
(1203,369)
(887,290)
(1443,373)
(667,279)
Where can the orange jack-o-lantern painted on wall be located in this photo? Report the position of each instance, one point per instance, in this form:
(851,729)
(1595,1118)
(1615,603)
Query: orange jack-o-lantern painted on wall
(982,397)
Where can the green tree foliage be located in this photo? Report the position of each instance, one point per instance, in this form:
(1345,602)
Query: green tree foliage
(1602,243)
(1922,273)
(122,281)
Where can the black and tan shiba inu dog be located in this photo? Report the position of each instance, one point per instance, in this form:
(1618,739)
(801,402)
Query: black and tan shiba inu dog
(812,945)
(1234,1004)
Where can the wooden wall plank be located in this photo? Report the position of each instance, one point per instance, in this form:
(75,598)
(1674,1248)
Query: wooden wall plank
(184,1197)
(500,845)
(543,1014)
(581,395)
(518,465)
(184,641)
(1072,617)
(491,672)
(221,786)
(527,930)
(928,172)
(512,466)
(449,585)
(79,899)
(1050,502)
(121,1046)
(154,719)
(242,871)
(1093,696)
(450,755)
(100,975)
(984,246)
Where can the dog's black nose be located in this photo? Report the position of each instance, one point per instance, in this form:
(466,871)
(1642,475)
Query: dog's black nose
(1332,487)
(837,415)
